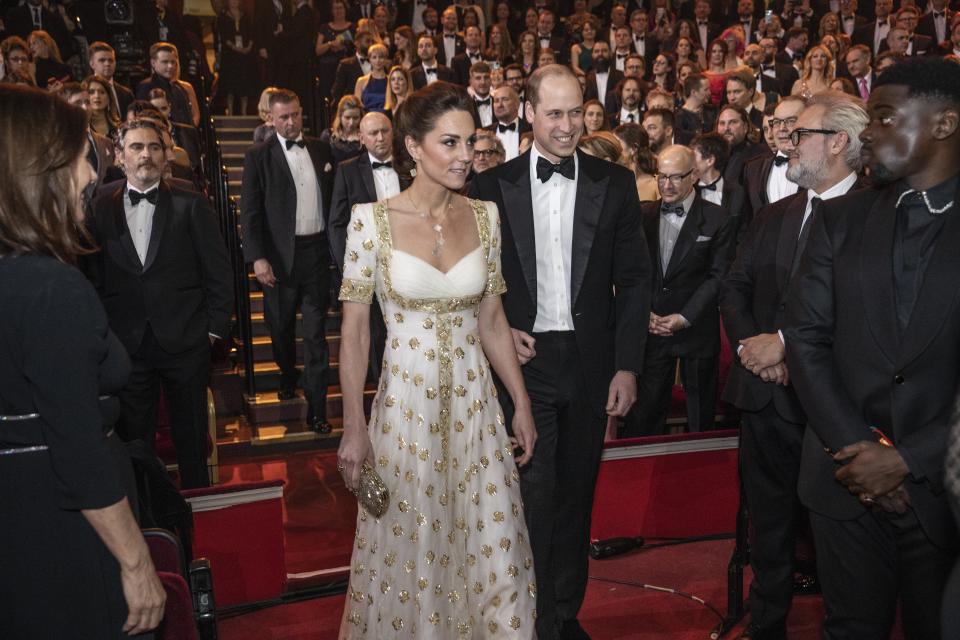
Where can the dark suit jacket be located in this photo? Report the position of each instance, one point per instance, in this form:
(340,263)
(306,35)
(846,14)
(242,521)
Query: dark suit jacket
(866,34)
(853,369)
(691,282)
(614,76)
(522,125)
(19,22)
(124,98)
(859,22)
(610,269)
(927,27)
(419,77)
(348,72)
(734,200)
(459,47)
(753,301)
(269,197)
(739,156)
(560,46)
(265,23)
(405,10)
(756,173)
(460,65)
(922,45)
(295,44)
(184,289)
(180,110)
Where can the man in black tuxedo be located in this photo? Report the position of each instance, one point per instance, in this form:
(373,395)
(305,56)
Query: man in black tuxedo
(733,124)
(873,332)
(691,244)
(705,30)
(507,125)
(552,36)
(874,34)
(482,98)
(795,46)
(286,204)
(765,177)
(710,155)
(429,70)
(166,284)
(629,94)
(471,54)
(410,12)
(350,69)
(765,75)
(370,177)
(645,44)
(103,62)
(659,125)
(936,23)
(741,89)
(784,73)
(752,302)
(578,325)
(602,77)
(296,44)
(449,42)
(268,19)
(165,64)
(850,21)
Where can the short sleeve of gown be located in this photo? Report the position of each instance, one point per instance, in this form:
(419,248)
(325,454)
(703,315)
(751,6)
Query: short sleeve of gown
(360,257)
(495,283)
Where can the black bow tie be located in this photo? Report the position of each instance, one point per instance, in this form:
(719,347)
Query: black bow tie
(545,168)
(150,196)
(482,103)
(847,18)
(431,70)
(506,127)
(780,160)
(362,59)
(676,209)
(449,35)
(702,23)
(474,56)
(299,143)
(767,67)
(622,56)
(710,187)
(382,165)
(937,14)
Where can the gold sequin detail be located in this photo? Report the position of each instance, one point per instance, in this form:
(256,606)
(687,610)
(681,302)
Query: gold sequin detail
(366,272)
(354,256)
(389,401)
(368,244)
(398,317)
(398,624)
(356,291)
(358,225)
(428,323)
(414,343)
(505,544)
(431,393)
(514,623)
(460,390)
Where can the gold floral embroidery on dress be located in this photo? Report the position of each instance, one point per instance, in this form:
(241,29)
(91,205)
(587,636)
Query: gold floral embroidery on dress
(356,291)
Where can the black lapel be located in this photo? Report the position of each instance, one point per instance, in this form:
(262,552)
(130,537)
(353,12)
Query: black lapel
(280,160)
(318,160)
(366,174)
(651,229)
(937,291)
(119,243)
(591,193)
(790,227)
(876,272)
(518,209)
(160,214)
(765,168)
(687,236)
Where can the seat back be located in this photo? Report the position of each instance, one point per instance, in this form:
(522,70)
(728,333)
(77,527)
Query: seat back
(178,620)
(166,552)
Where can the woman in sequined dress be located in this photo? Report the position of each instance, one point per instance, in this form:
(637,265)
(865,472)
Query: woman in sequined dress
(451,557)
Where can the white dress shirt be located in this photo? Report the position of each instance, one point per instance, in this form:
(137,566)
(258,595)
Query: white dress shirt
(778,186)
(364,64)
(449,46)
(602,79)
(620,59)
(940,24)
(553,206)
(510,139)
(140,220)
(713,195)
(640,46)
(880,34)
(847,23)
(670,225)
(309,215)
(485,111)
(625,116)
(385,179)
(431,77)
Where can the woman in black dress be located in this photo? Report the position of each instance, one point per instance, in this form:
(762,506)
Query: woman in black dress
(235,40)
(74,563)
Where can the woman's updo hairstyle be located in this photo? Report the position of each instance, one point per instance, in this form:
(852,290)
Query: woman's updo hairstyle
(418,115)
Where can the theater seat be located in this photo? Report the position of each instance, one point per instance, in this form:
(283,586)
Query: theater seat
(190,610)
(178,622)
(164,439)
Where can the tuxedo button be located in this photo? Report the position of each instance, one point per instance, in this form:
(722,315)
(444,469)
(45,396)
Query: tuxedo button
(898,379)
(665,290)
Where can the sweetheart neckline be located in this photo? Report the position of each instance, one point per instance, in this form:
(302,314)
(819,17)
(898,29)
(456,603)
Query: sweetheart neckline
(443,273)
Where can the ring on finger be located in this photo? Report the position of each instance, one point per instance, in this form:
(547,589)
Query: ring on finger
(864,497)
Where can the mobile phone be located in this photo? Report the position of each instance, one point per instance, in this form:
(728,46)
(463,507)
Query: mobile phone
(768,18)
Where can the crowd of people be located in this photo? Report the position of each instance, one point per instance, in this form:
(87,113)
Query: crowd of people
(531,244)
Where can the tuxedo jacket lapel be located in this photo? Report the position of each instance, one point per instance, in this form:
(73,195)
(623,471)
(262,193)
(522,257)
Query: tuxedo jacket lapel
(280,162)
(787,240)
(366,174)
(160,214)
(686,238)
(937,291)
(591,192)
(876,273)
(518,205)
(119,242)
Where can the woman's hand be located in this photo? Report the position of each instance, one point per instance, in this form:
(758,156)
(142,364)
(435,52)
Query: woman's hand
(144,595)
(524,434)
(355,449)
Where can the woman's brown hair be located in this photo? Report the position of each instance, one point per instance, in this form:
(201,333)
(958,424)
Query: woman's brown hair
(43,138)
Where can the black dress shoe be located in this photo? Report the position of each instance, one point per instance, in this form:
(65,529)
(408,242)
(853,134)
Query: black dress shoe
(571,630)
(317,425)
(286,394)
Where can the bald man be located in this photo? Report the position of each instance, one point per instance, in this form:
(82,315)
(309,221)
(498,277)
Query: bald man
(691,244)
(370,177)
(507,124)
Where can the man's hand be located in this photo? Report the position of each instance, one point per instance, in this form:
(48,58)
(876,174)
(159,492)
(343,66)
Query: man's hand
(264,272)
(777,374)
(523,342)
(897,501)
(666,326)
(872,469)
(622,394)
(761,351)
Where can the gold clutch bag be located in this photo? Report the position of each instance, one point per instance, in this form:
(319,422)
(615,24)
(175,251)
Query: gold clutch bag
(373,494)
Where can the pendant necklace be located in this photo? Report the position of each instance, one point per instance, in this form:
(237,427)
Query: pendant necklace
(437,227)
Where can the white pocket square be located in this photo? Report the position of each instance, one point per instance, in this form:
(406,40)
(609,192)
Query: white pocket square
(327,168)
(704,238)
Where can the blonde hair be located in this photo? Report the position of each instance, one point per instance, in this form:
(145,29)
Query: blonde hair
(53,51)
(263,105)
(369,27)
(392,100)
(830,71)
(348,101)
(603,144)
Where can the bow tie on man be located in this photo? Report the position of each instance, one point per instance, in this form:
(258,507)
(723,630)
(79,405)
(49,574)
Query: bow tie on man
(674,208)
(449,35)
(485,102)
(623,56)
(431,70)
(709,187)
(546,169)
(150,196)
(506,127)
(937,14)
(299,143)
(382,165)
(780,160)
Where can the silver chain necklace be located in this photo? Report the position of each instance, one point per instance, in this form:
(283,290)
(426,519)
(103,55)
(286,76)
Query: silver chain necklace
(436,226)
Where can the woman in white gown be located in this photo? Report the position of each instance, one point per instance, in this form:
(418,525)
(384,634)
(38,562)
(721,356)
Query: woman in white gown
(450,558)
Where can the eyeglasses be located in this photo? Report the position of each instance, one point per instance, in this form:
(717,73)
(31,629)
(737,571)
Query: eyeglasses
(787,122)
(798,134)
(486,153)
(675,180)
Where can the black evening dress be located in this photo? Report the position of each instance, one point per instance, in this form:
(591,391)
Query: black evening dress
(57,358)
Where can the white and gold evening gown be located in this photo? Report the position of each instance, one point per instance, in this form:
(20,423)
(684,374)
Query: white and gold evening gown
(451,557)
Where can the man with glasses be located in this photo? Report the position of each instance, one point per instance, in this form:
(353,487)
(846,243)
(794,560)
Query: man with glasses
(765,177)
(487,151)
(872,335)
(691,246)
(752,300)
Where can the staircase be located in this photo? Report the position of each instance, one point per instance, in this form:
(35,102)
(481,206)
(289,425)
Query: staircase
(271,421)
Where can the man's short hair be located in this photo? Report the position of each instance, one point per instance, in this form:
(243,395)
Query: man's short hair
(693,82)
(513,66)
(162,47)
(479,67)
(138,123)
(282,96)
(740,112)
(860,48)
(925,77)
(538,76)
(98,47)
(70,89)
(913,10)
(713,145)
(795,32)
(744,77)
(665,115)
